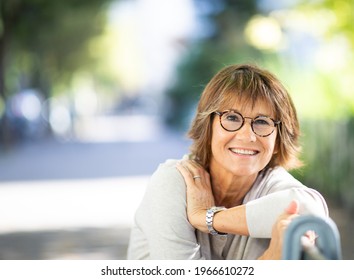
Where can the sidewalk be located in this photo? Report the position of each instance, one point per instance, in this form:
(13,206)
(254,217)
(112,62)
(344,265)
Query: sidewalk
(68,219)
(76,199)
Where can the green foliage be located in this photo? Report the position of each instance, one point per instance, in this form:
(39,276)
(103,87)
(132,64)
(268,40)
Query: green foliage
(45,41)
(328,149)
(341,13)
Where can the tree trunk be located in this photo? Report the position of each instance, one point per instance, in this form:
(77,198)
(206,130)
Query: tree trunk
(2,52)
(5,131)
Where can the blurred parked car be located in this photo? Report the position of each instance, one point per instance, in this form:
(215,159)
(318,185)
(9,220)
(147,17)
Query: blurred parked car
(24,115)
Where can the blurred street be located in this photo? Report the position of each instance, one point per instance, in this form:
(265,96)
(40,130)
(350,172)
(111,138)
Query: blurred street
(76,200)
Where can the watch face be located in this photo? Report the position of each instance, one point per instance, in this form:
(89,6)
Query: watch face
(217,208)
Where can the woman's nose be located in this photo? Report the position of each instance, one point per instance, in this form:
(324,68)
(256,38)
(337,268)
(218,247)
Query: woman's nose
(245,133)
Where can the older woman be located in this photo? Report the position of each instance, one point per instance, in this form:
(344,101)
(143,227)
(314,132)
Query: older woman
(232,197)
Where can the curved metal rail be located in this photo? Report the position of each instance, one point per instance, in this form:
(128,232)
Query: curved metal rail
(326,247)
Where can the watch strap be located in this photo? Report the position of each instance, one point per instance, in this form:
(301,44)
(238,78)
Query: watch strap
(209,219)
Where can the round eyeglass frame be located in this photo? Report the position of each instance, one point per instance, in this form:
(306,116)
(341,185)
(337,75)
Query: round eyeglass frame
(220,114)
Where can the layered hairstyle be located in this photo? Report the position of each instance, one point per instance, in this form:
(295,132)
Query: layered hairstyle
(246,84)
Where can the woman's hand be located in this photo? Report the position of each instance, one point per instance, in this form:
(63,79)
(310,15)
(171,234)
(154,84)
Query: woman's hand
(274,251)
(199,192)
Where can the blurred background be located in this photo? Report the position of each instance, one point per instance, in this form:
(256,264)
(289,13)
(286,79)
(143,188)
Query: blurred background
(94,94)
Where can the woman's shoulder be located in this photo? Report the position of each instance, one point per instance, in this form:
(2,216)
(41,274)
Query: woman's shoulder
(169,163)
(272,180)
(280,177)
(165,187)
(167,170)
(166,177)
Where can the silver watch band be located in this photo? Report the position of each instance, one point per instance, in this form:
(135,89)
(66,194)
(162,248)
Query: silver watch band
(209,219)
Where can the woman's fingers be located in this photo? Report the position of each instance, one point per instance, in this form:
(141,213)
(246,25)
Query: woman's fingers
(193,172)
(197,180)
(192,167)
(199,194)
(186,173)
(293,207)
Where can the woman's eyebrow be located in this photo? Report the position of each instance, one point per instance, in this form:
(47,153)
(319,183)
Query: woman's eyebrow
(263,115)
(257,114)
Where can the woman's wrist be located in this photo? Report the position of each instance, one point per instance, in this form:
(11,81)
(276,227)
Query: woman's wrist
(197,220)
(204,220)
(232,220)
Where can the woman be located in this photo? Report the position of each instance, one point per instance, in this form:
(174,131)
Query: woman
(245,139)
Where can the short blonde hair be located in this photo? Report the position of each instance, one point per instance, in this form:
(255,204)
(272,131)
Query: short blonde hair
(247,84)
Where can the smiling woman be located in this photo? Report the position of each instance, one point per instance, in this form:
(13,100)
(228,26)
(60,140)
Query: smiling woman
(232,197)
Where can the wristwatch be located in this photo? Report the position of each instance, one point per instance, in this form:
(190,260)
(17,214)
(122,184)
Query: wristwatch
(209,219)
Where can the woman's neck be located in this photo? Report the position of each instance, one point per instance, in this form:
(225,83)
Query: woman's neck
(230,190)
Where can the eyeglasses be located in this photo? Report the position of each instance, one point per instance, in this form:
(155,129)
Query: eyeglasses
(231,121)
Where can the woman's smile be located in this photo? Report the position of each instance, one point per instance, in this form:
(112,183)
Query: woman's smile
(243,151)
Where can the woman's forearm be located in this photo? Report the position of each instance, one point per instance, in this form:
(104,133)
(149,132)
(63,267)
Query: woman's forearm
(257,217)
(262,213)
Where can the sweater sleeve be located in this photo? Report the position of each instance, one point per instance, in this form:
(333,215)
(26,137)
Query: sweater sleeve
(162,217)
(262,213)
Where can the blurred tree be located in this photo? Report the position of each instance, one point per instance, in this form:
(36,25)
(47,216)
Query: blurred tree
(46,37)
(42,42)
(222,42)
(313,56)
(340,15)
(328,94)
(329,33)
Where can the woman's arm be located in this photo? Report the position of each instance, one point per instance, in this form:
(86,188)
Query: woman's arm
(256,218)
(262,213)
(162,221)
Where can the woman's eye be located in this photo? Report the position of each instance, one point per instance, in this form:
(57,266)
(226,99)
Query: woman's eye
(263,122)
(233,118)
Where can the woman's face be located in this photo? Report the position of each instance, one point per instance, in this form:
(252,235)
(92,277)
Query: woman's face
(242,152)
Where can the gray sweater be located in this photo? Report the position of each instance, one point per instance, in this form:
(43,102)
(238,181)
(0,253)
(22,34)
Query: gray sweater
(162,231)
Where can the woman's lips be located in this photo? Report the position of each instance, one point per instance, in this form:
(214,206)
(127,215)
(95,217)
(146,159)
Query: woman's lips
(244,152)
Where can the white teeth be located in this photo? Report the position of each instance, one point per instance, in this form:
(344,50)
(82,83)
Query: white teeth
(243,152)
